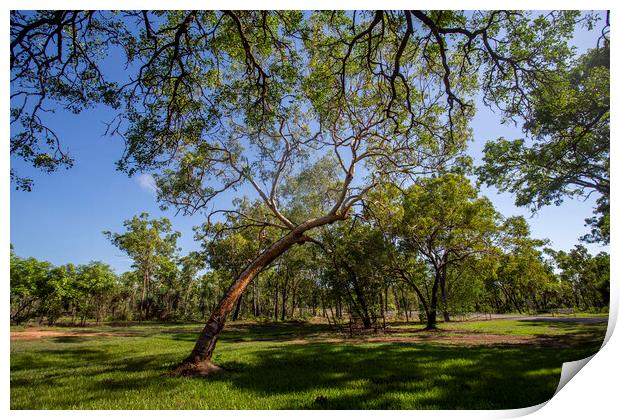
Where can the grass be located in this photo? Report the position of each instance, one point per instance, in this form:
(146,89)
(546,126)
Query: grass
(296,366)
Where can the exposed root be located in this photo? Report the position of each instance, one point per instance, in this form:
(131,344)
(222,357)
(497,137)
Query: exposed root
(200,369)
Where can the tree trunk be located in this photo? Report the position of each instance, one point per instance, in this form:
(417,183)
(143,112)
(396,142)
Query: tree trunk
(396,301)
(382,308)
(284,299)
(237,308)
(145,283)
(199,360)
(444,293)
(188,291)
(275,307)
(431,317)
(405,305)
(293,301)
(254,300)
(385,303)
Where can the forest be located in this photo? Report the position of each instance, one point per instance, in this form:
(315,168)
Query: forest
(380,265)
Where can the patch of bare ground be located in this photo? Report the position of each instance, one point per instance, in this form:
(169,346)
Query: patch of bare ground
(33,334)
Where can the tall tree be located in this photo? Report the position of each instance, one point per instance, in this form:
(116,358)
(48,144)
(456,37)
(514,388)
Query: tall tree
(444,222)
(150,243)
(356,257)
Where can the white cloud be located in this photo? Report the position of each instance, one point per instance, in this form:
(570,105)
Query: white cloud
(147,182)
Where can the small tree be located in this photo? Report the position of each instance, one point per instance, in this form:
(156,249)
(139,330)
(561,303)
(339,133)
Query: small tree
(443,222)
(92,289)
(149,243)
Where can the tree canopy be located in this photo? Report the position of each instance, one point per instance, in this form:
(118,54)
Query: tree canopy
(569,156)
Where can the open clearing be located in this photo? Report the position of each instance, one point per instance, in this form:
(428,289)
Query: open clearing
(505,363)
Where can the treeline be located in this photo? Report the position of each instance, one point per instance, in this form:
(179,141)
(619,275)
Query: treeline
(432,250)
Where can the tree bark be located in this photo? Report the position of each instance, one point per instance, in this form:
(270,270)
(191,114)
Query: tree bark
(444,293)
(275,306)
(237,308)
(405,305)
(254,300)
(284,297)
(431,317)
(199,360)
(145,283)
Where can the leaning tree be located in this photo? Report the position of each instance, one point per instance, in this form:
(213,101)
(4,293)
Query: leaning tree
(218,101)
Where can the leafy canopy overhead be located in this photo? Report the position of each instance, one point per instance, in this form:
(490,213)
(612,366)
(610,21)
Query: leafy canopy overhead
(569,153)
(214,100)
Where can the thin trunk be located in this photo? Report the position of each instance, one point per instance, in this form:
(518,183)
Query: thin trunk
(284,298)
(386,301)
(145,282)
(396,300)
(382,308)
(275,307)
(237,308)
(405,306)
(187,297)
(293,301)
(444,294)
(254,300)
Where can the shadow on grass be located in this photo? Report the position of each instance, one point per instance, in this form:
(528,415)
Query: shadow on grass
(313,375)
(567,325)
(403,375)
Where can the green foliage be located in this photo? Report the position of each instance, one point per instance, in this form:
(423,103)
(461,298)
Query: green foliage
(586,277)
(40,290)
(151,244)
(569,152)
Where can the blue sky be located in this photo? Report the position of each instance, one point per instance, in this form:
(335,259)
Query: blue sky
(61,220)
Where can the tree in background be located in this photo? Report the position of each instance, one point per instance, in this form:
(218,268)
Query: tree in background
(521,279)
(445,222)
(355,260)
(587,277)
(92,290)
(151,244)
(28,277)
(190,267)
(41,290)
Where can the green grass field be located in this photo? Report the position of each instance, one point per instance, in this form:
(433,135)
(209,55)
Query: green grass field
(467,365)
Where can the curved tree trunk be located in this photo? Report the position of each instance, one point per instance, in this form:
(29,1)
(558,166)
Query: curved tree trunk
(199,360)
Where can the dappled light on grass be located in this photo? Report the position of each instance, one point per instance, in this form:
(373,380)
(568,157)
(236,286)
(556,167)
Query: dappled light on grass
(278,372)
